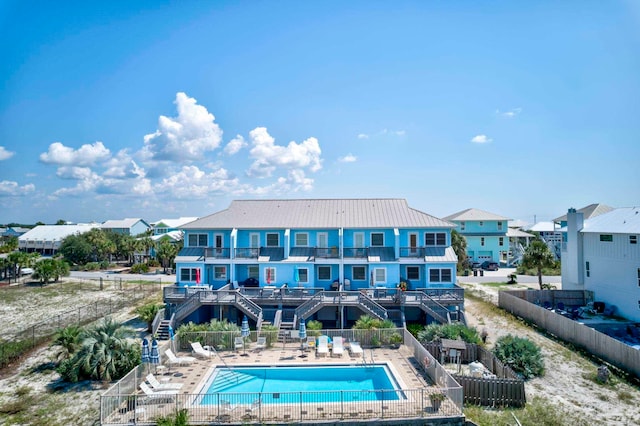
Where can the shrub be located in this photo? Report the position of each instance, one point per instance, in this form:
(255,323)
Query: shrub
(521,354)
(139,268)
(313,328)
(449,331)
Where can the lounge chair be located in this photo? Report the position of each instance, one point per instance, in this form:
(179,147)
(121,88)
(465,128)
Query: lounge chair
(238,343)
(183,360)
(164,395)
(250,412)
(355,349)
(323,346)
(311,342)
(338,348)
(201,352)
(157,386)
(261,343)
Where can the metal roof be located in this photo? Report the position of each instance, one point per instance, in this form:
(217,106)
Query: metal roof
(55,232)
(624,220)
(517,233)
(544,227)
(589,212)
(124,223)
(174,223)
(474,214)
(440,254)
(319,214)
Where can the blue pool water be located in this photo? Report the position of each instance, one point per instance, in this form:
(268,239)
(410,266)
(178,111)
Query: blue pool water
(303,384)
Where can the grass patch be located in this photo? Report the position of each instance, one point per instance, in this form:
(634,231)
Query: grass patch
(539,412)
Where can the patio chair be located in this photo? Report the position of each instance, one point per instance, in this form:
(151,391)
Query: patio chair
(311,342)
(157,386)
(238,343)
(183,360)
(355,349)
(338,348)
(199,351)
(323,346)
(249,413)
(261,343)
(154,396)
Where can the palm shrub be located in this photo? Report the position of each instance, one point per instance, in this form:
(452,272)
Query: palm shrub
(313,328)
(68,340)
(147,313)
(521,354)
(453,331)
(105,353)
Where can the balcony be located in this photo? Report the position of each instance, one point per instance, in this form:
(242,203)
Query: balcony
(217,253)
(327,253)
(247,253)
(355,253)
(415,252)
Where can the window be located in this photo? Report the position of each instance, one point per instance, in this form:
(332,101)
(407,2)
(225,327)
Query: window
(273,240)
(324,273)
(482,241)
(358,239)
(303,274)
(270,275)
(435,239)
(413,273)
(499,226)
(638,277)
(218,240)
(358,273)
(633,239)
(197,240)
(253,271)
(379,275)
(588,270)
(440,275)
(377,239)
(188,274)
(302,239)
(462,225)
(481,223)
(501,241)
(607,238)
(220,272)
(323,240)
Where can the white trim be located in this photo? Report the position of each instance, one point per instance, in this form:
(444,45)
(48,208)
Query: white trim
(371,239)
(375,276)
(325,235)
(414,249)
(253,235)
(301,234)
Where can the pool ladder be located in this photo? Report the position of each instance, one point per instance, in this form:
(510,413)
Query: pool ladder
(364,359)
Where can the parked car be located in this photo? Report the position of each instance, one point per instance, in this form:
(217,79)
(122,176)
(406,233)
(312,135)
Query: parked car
(489,266)
(476,265)
(26,271)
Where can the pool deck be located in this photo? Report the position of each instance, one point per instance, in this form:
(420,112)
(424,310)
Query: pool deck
(194,377)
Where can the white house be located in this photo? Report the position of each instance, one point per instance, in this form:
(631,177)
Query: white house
(602,255)
(46,239)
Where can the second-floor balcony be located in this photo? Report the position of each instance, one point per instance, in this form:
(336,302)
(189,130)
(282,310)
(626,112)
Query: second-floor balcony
(313,253)
(217,253)
(416,252)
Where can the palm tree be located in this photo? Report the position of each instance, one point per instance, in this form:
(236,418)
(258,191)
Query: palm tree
(68,339)
(105,353)
(18,260)
(538,256)
(166,252)
(147,313)
(459,245)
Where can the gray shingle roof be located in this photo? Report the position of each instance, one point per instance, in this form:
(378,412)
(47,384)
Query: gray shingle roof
(474,214)
(319,213)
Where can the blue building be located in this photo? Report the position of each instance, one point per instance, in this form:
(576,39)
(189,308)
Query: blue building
(486,234)
(280,254)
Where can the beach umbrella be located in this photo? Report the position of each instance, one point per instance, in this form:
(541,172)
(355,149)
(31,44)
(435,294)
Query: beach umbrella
(268,276)
(198,276)
(302,333)
(154,356)
(145,351)
(244,332)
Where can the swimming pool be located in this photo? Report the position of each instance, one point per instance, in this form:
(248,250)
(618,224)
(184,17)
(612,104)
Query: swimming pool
(322,383)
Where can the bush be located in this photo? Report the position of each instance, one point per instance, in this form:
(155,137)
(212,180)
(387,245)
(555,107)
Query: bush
(313,328)
(449,331)
(139,268)
(521,354)
(92,266)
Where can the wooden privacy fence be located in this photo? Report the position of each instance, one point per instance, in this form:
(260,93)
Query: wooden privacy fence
(505,390)
(599,344)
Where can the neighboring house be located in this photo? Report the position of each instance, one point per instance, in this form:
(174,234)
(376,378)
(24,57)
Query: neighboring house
(550,234)
(46,239)
(486,234)
(317,245)
(519,240)
(15,231)
(130,226)
(164,226)
(602,255)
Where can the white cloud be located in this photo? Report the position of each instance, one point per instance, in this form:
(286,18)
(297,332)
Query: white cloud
(191,182)
(268,156)
(76,173)
(86,155)
(349,158)
(400,132)
(509,114)
(481,139)
(12,189)
(235,145)
(363,136)
(4,154)
(186,137)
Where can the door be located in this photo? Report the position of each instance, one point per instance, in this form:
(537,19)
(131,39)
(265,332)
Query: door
(413,243)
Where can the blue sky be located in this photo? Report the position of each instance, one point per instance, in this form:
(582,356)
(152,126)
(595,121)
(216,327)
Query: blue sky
(166,109)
